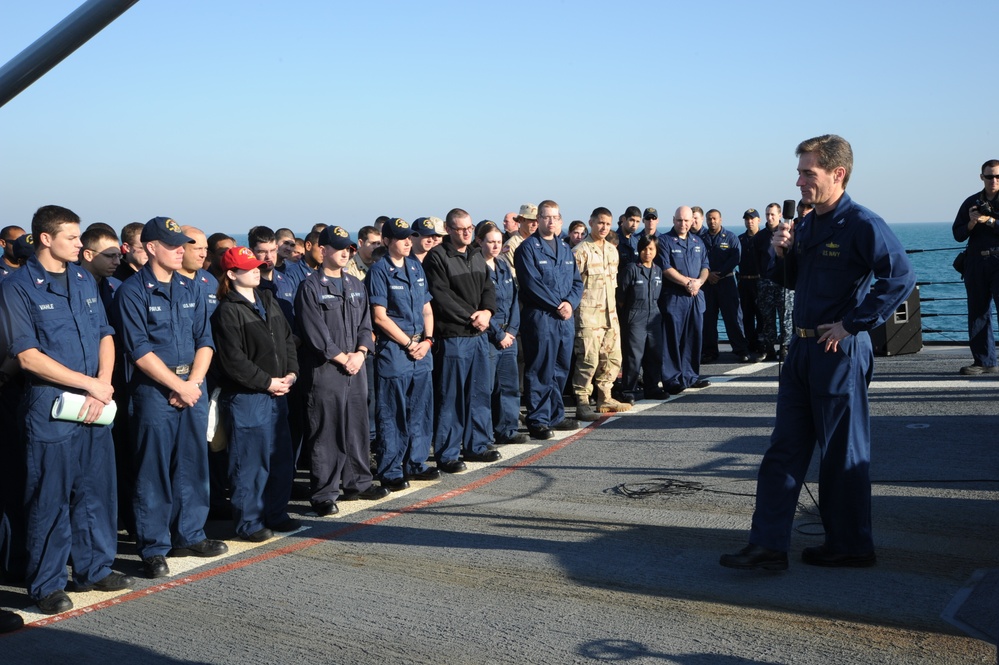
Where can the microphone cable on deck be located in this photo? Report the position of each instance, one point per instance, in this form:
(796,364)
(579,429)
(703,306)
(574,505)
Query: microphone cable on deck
(674,487)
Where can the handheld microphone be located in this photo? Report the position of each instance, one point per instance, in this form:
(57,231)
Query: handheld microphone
(790,207)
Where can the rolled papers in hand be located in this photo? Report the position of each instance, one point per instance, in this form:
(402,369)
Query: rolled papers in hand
(67,407)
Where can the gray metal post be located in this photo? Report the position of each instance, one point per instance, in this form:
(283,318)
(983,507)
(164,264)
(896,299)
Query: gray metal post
(51,48)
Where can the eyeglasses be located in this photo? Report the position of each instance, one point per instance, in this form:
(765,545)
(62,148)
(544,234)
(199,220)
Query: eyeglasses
(110,256)
(986,176)
(463,229)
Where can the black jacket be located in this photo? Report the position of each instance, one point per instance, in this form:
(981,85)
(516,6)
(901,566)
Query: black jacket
(460,284)
(250,351)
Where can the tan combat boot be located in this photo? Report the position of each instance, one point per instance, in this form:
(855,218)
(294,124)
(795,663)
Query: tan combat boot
(583,409)
(607,404)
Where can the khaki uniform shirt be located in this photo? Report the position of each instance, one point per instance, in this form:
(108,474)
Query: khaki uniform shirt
(598,266)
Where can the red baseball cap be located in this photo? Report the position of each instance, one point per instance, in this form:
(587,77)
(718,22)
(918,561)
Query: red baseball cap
(240,258)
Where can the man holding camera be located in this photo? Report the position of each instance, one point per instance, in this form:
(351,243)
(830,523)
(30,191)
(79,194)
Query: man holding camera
(976,223)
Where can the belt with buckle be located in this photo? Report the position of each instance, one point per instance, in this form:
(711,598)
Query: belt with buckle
(417,338)
(806,332)
(990,252)
(180,369)
(741,276)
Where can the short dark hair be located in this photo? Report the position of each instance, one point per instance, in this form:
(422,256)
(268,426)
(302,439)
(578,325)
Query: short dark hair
(215,238)
(131,233)
(575,223)
(597,212)
(713,210)
(260,234)
(48,219)
(645,241)
(313,237)
(7,230)
(365,232)
(773,205)
(694,209)
(992,163)
(455,214)
(633,211)
(97,232)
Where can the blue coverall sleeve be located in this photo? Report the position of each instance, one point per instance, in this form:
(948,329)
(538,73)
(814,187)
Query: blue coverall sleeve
(894,280)
(131,320)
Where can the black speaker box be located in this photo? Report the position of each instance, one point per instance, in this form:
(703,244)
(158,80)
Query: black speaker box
(902,332)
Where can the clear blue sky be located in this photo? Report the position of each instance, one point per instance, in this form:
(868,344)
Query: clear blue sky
(228,113)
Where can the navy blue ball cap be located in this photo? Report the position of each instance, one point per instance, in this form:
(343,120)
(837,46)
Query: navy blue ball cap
(425,226)
(336,237)
(165,230)
(397,228)
(24,247)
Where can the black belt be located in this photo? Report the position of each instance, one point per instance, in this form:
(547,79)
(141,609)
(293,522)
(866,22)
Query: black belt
(990,252)
(741,276)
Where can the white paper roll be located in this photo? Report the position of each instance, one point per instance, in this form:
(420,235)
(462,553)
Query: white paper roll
(67,407)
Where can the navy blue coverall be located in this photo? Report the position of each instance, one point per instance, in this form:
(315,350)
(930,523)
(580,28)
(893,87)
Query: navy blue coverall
(70,504)
(683,315)
(503,362)
(405,386)
(638,294)
(823,395)
(724,252)
(333,318)
(548,277)
(170,447)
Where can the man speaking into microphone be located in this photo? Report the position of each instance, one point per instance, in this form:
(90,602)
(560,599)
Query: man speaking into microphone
(830,259)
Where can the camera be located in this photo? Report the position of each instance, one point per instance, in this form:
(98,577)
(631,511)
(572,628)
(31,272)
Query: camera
(985,208)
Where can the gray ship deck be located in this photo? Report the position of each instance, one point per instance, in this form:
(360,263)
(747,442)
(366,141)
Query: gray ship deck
(548,556)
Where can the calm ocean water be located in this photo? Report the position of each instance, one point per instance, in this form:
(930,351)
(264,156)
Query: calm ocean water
(943,306)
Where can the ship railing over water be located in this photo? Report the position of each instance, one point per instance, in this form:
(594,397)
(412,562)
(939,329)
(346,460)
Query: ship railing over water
(943,303)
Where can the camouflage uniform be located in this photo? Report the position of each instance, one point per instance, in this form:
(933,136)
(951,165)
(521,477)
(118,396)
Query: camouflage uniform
(598,332)
(776,304)
(356,267)
(509,249)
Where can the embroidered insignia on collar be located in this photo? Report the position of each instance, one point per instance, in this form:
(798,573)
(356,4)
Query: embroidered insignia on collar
(832,245)
(40,280)
(150,285)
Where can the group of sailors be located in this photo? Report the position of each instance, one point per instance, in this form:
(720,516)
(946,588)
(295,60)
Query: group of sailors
(418,342)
